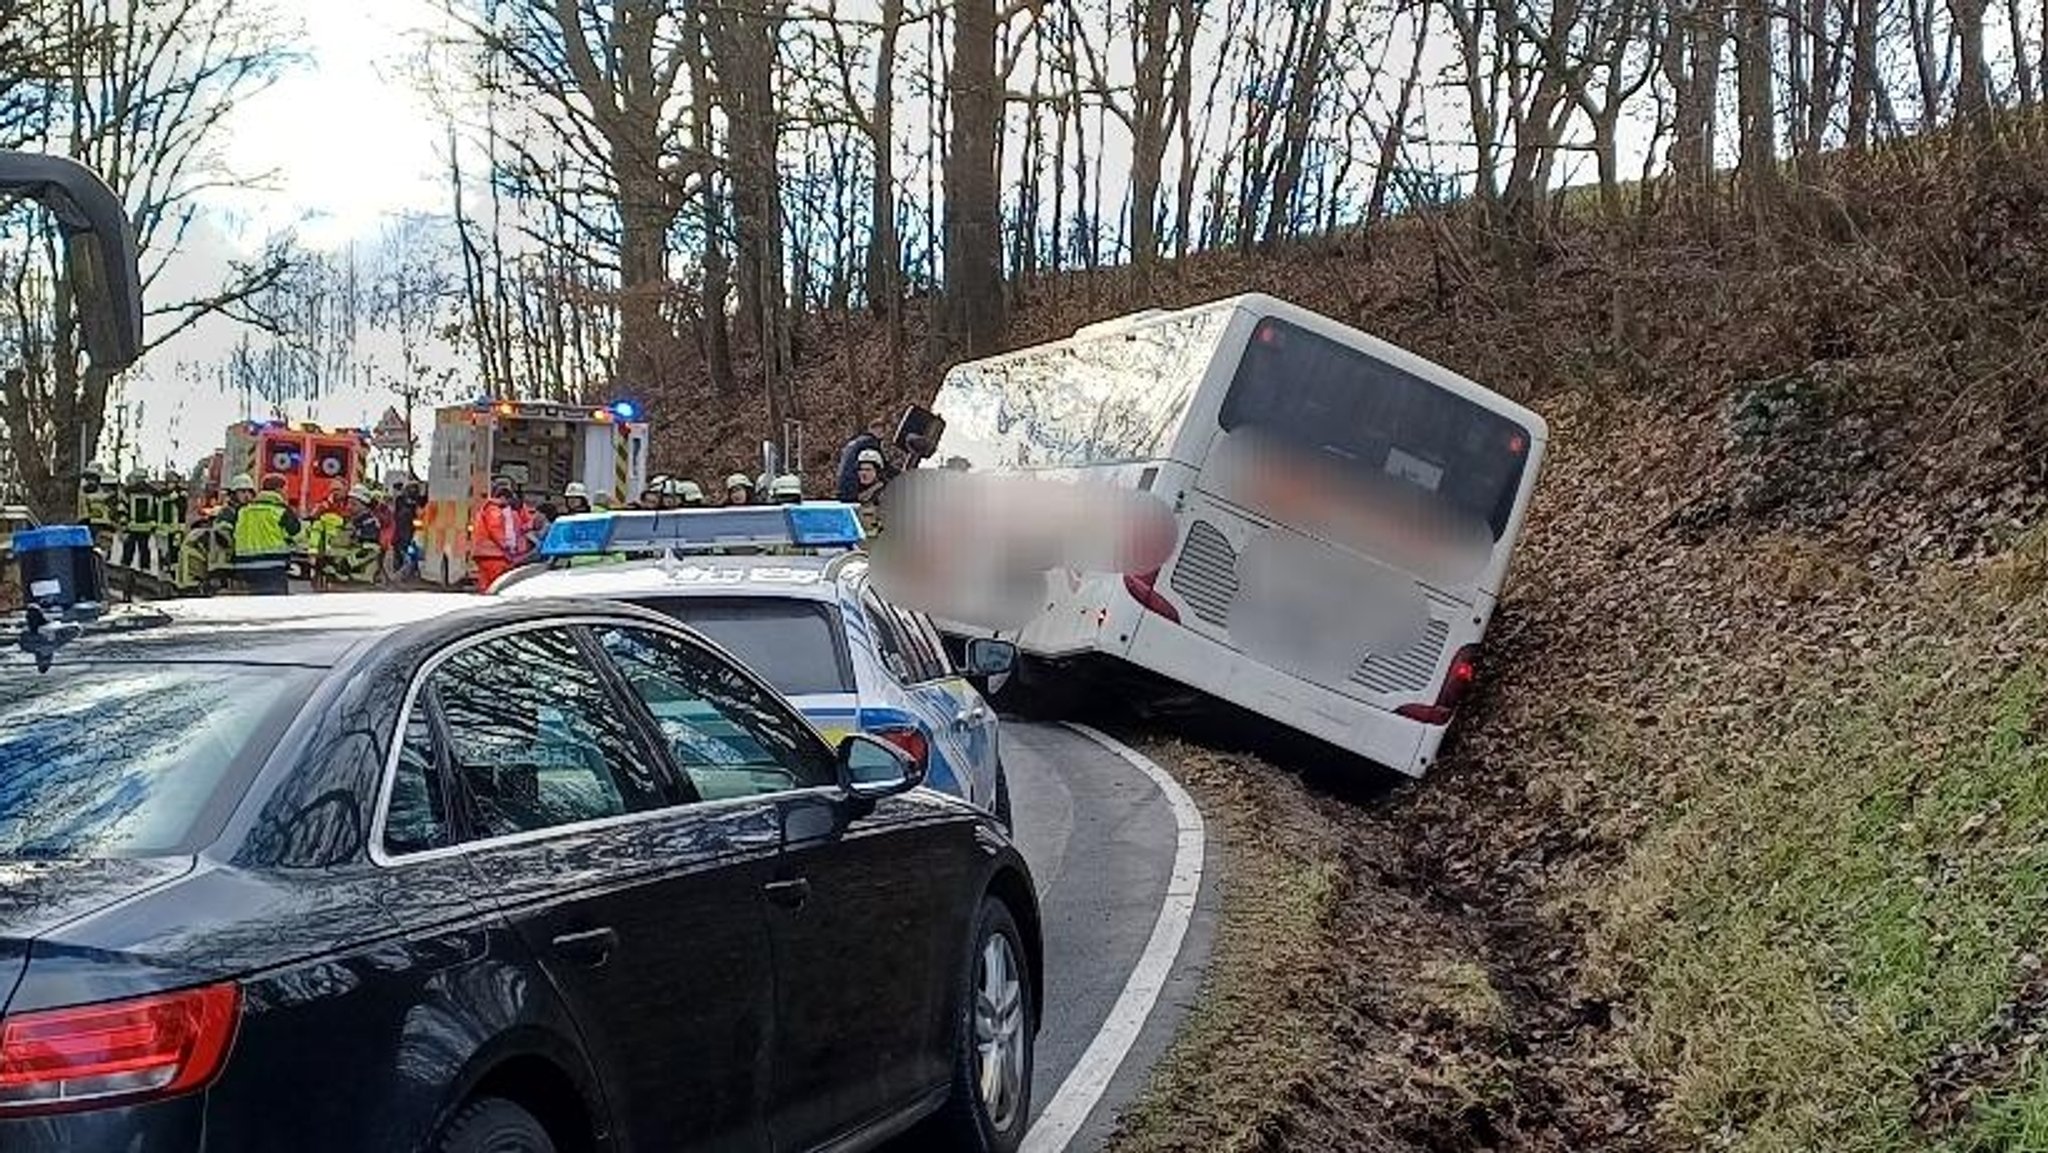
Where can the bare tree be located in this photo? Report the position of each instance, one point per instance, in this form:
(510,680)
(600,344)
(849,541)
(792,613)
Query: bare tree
(141,96)
(975,304)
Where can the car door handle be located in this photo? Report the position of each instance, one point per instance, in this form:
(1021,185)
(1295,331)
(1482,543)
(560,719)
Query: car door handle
(592,947)
(788,894)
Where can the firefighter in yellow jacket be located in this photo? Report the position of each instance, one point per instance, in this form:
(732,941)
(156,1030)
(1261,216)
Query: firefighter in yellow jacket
(264,526)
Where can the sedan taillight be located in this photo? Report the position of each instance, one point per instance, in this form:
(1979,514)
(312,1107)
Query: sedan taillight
(118,1052)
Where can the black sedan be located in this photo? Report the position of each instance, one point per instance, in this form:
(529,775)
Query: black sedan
(399,872)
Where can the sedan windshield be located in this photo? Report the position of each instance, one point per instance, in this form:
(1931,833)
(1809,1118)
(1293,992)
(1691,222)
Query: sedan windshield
(123,760)
(790,643)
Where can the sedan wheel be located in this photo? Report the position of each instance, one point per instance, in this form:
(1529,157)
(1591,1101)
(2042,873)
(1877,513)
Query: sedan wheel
(1000,1041)
(494,1125)
(994,1041)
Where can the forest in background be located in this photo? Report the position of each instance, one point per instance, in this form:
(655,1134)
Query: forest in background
(685,202)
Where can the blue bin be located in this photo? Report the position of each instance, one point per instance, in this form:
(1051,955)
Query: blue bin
(60,568)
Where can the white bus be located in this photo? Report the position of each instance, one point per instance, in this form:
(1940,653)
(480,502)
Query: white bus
(1345,511)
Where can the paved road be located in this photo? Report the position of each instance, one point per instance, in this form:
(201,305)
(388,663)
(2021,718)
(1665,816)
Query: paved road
(1101,841)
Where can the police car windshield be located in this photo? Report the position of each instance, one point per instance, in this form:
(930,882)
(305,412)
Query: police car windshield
(792,644)
(116,760)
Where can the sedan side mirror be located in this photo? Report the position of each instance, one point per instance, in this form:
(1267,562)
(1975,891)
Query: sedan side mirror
(987,657)
(871,768)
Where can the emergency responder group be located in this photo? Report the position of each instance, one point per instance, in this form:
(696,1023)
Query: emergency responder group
(247,534)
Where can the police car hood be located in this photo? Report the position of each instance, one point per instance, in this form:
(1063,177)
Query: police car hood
(39,897)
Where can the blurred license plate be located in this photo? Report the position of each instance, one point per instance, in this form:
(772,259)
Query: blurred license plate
(1318,612)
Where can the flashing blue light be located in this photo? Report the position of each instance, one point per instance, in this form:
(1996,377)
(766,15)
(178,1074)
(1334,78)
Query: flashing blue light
(580,534)
(625,410)
(822,525)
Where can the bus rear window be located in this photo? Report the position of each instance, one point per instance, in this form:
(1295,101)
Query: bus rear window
(1391,426)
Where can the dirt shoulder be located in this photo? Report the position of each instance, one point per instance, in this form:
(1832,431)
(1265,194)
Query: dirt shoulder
(1354,1005)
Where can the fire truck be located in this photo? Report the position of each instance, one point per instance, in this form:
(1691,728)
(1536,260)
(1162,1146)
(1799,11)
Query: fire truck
(540,445)
(315,462)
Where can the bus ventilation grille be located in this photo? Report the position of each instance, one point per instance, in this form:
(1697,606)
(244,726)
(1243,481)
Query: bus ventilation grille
(1205,576)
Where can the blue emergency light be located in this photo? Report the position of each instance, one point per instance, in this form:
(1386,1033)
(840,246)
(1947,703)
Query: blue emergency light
(625,410)
(821,524)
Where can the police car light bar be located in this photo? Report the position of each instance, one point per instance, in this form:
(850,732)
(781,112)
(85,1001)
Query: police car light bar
(820,524)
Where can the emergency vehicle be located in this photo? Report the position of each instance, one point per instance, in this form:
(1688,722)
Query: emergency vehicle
(786,591)
(316,463)
(542,446)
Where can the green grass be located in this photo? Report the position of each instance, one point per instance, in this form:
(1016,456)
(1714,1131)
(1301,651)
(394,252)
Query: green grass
(1845,891)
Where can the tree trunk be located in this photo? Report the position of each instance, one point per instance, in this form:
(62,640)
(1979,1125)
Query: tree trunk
(1148,132)
(1753,57)
(973,228)
(745,35)
(1307,72)
(1862,73)
(1973,91)
(885,251)
(714,334)
(1396,132)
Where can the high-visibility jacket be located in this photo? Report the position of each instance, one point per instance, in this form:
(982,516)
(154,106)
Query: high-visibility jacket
(170,511)
(263,532)
(195,556)
(500,531)
(138,510)
(96,507)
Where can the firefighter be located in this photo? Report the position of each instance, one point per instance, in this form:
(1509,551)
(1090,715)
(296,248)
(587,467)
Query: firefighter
(363,560)
(786,489)
(498,537)
(575,499)
(872,479)
(739,489)
(197,548)
(263,527)
(689,494)
(137,516)
(172,501)
(853,452)
(96,507)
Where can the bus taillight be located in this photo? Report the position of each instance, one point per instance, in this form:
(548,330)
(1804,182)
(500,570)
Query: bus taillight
(1457,681)
(1141,587)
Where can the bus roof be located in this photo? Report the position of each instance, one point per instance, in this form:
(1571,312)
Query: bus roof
(1263,305)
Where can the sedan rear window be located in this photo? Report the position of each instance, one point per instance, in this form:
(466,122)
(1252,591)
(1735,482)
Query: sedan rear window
(792,644)
(124,760)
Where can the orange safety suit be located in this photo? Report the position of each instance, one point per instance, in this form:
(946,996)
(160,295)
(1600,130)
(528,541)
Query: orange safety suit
(498,539)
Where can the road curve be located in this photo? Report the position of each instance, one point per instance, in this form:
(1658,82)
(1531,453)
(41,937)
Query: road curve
(1102,841)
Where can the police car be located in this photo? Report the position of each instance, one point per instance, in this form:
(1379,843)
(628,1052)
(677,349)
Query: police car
(784,589)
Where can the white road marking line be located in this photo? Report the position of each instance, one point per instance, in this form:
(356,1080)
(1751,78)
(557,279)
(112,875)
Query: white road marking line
(1089,1079)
